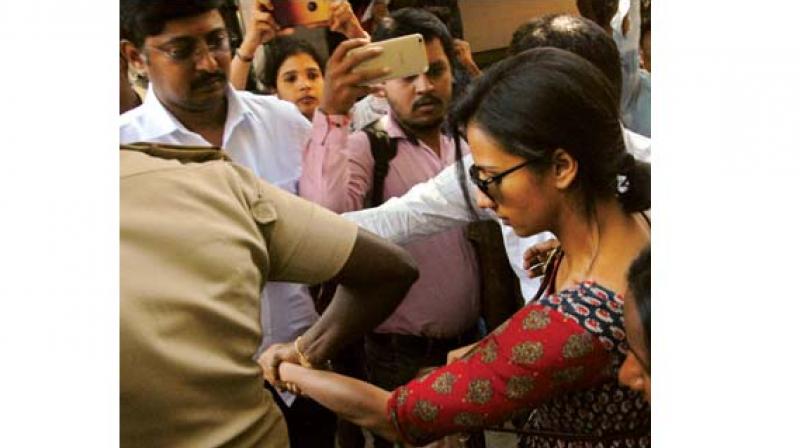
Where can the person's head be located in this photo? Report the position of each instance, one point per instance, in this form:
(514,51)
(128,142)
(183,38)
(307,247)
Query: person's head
(599,11)
(635,371)
(182,46)
(574,34)
(554,117)
(380,9)
(420,102)
(294,71)
(441,9)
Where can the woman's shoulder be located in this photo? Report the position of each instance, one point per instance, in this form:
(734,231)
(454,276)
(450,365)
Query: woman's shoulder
(593,306)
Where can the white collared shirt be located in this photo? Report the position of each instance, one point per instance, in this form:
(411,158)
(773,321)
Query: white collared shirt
(438,204)
(267,135)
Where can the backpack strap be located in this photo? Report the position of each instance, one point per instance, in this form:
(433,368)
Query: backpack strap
(384,149)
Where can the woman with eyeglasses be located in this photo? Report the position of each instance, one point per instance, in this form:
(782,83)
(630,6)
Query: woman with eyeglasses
(544,133)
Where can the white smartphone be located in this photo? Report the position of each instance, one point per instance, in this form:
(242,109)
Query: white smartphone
(404,55)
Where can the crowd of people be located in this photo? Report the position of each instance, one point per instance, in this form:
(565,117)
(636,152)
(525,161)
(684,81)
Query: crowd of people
(233,202)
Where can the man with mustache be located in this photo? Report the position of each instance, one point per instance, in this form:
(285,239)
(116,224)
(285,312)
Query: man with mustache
(440,311)
(183,48)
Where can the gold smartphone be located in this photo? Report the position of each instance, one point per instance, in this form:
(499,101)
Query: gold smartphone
(404,55)
(308,13)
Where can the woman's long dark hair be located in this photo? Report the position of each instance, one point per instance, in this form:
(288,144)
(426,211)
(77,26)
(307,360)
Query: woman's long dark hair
(544,99)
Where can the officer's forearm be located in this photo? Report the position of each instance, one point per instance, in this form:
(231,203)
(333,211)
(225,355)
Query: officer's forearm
(352,312)
(373,281)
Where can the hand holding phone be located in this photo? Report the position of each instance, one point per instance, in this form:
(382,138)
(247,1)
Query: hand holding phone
(260,28)
(404,56)
(308,13)
(343,86)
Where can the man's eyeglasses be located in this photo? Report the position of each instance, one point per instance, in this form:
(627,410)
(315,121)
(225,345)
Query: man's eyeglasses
(483,184)
(188,49)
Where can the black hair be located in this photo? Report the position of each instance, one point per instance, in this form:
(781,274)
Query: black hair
(280,49)
(414,20)
(142,18)
(639,286)
(547,98)
(575,34)
(446,10)
(602,11)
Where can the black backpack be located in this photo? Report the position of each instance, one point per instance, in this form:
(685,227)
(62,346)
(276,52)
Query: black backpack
(384,149)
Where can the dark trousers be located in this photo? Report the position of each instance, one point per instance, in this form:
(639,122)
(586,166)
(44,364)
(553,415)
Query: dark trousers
(350,361)
(393,360)
(309,423)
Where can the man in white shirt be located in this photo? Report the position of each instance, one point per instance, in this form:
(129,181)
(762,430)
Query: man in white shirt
(439,204)
(183,47)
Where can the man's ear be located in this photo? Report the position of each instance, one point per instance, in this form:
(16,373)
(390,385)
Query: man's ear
(134,56)
(565,169)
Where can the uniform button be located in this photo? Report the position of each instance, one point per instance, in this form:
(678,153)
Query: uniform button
(264,212)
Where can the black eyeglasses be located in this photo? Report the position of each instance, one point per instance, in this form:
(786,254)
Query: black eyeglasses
(483,184)
(192,49)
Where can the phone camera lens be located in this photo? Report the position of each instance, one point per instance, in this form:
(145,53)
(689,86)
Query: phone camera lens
(312,6)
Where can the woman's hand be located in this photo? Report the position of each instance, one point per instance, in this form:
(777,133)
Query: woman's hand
(344,21)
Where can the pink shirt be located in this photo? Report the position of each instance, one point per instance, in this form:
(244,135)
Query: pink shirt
(337,173)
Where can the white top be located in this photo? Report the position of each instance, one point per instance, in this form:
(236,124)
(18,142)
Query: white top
(438,204)
(635,101)
(366,110)
(637,144)
(267,135)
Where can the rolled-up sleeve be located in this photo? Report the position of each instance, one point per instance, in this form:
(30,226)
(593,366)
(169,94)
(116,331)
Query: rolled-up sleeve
(337,166)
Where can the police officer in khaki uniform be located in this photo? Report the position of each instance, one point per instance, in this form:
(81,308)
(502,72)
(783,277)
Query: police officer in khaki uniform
(199,236)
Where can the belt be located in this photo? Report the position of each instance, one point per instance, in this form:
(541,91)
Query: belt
(423,343)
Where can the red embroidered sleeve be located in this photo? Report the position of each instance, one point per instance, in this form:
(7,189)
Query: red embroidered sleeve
(542,351)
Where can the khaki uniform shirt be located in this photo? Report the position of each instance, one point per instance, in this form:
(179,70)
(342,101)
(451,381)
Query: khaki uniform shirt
(199,236)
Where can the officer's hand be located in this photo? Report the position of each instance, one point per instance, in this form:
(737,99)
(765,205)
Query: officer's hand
(272,358)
